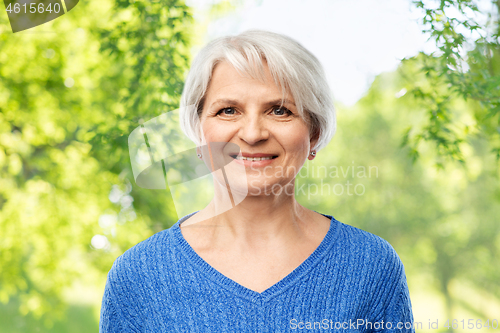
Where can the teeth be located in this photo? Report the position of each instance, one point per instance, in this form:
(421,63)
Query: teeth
(253,158)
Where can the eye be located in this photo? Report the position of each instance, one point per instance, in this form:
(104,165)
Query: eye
(227,112)
(281,111)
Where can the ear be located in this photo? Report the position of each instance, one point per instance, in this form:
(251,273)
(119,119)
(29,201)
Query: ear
(314,139)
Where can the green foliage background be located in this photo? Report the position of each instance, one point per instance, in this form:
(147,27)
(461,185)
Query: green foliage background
(72,90)
(70,93)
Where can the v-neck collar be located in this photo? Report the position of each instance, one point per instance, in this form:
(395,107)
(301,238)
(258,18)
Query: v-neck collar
(245,292)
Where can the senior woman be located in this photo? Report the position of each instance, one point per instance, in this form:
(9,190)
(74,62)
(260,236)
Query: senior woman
(267,264)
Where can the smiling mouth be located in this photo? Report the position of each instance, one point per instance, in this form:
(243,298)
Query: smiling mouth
(242,158)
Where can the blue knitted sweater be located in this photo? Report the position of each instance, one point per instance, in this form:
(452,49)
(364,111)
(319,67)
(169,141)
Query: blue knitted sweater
(353,282)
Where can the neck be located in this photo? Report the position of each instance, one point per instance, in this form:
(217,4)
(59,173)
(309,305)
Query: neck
(255,220)
(261,215)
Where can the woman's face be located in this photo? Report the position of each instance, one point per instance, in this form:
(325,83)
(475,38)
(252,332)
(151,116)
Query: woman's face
(273,138)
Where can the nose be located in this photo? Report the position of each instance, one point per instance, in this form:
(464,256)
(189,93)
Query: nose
(253,130)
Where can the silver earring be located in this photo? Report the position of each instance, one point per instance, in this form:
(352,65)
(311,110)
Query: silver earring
(199,155)
(313,153)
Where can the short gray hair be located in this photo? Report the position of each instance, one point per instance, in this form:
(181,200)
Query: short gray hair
(292,67)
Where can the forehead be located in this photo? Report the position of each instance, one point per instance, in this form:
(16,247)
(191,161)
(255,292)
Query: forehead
(227,80)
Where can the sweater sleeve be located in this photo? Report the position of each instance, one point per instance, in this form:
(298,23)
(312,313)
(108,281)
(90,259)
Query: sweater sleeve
(109,321)
(398,316)
(116,303)
(110,318)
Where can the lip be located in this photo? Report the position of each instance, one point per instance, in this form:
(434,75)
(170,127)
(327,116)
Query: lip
(254,164)
(248,155)
(257,155)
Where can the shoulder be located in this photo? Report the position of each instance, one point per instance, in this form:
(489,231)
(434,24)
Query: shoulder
(366,242)
(374,272)
(133,280)
(373,263)
(144,258)
(368,252)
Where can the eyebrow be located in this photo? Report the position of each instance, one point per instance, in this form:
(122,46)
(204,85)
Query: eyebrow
(235,102)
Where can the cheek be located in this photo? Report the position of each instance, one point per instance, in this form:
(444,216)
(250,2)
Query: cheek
(297,140)
(214,131)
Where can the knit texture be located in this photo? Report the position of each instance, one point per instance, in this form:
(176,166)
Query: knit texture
(353,282)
